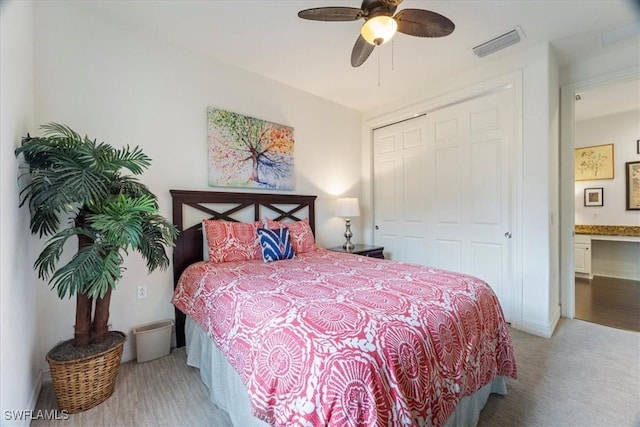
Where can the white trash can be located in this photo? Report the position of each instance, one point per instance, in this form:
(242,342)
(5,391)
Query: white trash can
(153,340)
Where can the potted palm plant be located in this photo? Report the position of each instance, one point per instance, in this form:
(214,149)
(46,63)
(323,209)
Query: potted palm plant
(76,187)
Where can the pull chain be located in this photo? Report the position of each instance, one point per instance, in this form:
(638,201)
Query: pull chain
(393,56)
(378,49)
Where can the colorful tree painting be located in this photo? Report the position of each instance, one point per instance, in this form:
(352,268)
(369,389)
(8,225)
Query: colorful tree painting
(249,152)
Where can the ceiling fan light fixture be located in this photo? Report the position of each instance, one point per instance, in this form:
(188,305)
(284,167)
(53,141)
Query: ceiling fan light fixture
(379,29)
(380,24)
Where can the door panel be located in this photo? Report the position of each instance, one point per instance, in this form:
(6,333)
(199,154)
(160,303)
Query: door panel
(399,198)
(447,185)
(484,257)
(485,187)
(448,255)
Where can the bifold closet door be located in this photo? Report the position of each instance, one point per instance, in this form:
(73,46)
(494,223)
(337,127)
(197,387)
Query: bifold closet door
(399,203)
(442,190)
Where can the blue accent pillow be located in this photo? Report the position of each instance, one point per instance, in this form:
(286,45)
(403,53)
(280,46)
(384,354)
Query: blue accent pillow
(275,244)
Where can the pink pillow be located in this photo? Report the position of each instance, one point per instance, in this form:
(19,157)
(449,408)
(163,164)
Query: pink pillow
(301,235)
(232,241)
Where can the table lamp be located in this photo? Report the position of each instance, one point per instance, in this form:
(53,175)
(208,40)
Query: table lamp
(347,207)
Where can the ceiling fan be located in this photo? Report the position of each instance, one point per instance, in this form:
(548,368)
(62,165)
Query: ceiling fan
(381,24)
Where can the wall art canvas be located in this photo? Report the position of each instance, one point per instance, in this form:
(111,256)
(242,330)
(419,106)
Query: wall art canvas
(249,152)
(593,163)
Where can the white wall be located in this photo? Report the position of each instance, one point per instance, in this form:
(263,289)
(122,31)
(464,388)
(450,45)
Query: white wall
(124,88)
(537,205)
(616,59)
(622,130)
(554,188)
(19,380)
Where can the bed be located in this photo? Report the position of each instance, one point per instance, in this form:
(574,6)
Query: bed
(328,338)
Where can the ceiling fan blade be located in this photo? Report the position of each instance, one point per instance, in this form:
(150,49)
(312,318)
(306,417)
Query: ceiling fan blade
(331,14)
(361,51)
(423,23)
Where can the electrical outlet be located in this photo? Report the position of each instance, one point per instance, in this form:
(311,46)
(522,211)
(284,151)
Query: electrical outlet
(142,292)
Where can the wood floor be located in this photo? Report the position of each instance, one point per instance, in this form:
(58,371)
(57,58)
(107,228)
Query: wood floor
(609,301)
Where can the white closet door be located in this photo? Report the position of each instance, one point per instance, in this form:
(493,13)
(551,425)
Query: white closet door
(470,218)
(456,187)
(399,200)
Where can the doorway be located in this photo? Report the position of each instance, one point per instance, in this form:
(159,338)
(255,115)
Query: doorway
(598,298)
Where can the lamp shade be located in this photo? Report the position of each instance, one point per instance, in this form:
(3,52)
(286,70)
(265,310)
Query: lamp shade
(347,207)
(379,29)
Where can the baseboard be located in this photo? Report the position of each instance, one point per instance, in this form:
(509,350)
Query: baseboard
(544,330)
(35,392)
(45,376)
(617,276)
(128,353)
(555,319)
(24,417)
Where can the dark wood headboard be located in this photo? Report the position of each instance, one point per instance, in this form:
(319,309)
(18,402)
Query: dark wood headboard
(188,247)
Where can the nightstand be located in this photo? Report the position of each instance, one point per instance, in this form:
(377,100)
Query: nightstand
(365,250)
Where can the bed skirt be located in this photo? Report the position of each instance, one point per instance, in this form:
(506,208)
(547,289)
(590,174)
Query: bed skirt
(228,392)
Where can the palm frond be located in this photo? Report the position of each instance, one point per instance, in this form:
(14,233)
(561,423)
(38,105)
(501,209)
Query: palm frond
(132,158)
(90,271)
(110,274)
(131,186)
(59,131)
(121,218)
(50,255)
(112,159)
(80,270)
(156,235)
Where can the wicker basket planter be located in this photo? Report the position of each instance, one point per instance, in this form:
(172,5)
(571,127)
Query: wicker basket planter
(84,383)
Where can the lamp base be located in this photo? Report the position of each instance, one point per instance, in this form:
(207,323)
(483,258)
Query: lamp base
(348,246)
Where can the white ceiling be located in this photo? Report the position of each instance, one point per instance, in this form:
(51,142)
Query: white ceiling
(267,38)
(609,99)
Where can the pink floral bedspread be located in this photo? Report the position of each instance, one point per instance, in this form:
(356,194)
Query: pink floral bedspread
(337,339)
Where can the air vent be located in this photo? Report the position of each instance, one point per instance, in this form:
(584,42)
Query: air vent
(500,42)
(620,34)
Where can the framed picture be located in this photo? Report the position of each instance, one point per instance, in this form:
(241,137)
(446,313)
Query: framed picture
(638,146)
(249,152)
(593,163)
(632,170)
(593,196)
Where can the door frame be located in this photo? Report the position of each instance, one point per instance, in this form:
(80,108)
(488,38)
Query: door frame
(512,81)
(567,187)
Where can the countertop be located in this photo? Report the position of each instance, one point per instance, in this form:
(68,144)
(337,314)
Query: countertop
(609,230)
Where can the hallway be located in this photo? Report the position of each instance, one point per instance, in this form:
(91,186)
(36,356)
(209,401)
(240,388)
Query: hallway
(609,301)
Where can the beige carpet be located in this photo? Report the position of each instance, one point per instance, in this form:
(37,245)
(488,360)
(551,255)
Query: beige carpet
(162,392)
(586,375)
